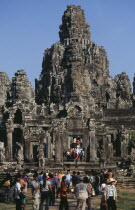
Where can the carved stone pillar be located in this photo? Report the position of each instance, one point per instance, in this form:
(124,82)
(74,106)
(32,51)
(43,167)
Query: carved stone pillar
(124,144)
(85,141)
(31,150)
(26,144)
(64,143)
(93,152)
(9,155)
(109,148)
(26,149)
(49,145)
(62,148)
(69,142)
(57,146)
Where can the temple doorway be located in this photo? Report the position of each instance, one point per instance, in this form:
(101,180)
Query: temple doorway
(18,117)
(75,148)
(35,153)
(117,144)
(17,137)
(45,150)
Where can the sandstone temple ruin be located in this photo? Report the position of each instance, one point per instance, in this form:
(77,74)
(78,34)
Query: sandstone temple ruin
(74,98)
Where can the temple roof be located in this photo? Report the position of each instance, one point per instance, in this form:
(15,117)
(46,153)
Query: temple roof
(74,24)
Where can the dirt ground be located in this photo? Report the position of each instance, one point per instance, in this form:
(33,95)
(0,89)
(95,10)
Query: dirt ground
(126,201)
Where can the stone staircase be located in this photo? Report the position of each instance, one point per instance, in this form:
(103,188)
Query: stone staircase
(122,180)
(126,183)
(82,165)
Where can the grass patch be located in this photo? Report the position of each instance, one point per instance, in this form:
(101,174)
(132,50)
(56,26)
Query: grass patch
(126,199)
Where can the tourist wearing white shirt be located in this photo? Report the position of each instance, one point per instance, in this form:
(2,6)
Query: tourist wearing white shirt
(17,189)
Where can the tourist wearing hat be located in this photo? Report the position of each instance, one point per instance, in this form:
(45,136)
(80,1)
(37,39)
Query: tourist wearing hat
(110,194)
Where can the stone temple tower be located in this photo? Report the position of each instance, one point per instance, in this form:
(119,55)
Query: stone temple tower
(74,28)
(74,69)
(75,99)
(74,75)
(75,83)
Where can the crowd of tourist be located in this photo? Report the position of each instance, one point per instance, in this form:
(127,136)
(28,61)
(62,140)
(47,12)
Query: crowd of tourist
(46,187)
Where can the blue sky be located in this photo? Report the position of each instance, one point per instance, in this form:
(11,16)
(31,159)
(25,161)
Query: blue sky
(28,27)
